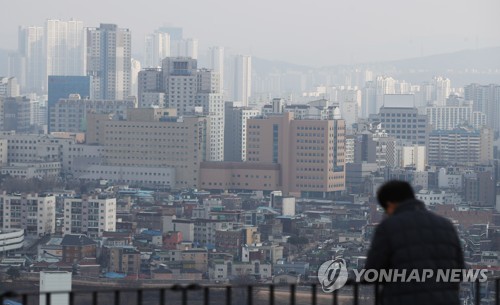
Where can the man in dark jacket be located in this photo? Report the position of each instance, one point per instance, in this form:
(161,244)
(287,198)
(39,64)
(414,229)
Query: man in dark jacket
(411,237)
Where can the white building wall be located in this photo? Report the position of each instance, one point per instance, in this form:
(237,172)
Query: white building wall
(55,281)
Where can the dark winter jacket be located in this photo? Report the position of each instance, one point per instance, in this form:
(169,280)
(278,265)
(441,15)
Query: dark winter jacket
(415,238)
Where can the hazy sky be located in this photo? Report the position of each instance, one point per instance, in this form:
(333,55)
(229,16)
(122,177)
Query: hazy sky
(314,32)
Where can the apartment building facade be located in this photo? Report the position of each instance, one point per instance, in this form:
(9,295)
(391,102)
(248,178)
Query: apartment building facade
(91,215)
(34,213)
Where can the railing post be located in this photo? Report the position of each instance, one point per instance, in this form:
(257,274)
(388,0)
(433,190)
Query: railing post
(271,294)
(94,298)
(356,293)
(249,295)
(292,294)
(25,299)
(184,296)
(228,295)
(497,291)
(117,297)
(478,293)
(47,298)
(313,296)
(71,299)
(139,297)
(162,296)
(206,295)
(335,297)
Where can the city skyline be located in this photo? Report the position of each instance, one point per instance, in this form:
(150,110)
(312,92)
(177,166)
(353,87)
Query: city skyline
(335,34)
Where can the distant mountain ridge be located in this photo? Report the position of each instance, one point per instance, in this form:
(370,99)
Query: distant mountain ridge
(485,58)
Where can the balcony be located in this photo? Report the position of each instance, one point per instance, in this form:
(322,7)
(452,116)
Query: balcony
(259,294)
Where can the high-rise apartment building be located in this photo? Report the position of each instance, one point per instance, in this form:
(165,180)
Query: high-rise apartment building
(442,89)
(242,79)
(9,87)
(34,213)
(460,146)
(90,214)
(216,58)
(486,99)
(157,47)
(65,47)
(29,63)
(109,61)
(235,130)
(455,113)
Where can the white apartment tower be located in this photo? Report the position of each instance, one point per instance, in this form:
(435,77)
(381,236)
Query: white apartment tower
(157,47)
(109,61)
(216,57)
(92,215)
(242,79)
(30,62)
(442,89)
(65,47)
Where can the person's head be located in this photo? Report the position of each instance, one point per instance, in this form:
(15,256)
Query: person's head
(392,193)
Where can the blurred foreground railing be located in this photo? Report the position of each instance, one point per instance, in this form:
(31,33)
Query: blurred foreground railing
(256,294)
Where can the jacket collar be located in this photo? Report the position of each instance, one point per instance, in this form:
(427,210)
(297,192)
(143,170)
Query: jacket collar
(410,205)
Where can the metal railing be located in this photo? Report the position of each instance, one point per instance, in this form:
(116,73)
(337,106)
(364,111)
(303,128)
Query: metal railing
(256,294)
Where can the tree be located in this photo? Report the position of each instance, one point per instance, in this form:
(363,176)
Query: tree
(13,273)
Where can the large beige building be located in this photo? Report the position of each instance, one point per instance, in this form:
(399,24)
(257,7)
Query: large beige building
(298,156)
(153,138)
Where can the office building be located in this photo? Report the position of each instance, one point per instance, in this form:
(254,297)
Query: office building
(479,188)
(235,130)
(89,214)
(63,86)
(153,138)
(401,120)
(150,88)
(70,114)
(299,157)
(109,61)
(192,90)
(34,213)
(374,145)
